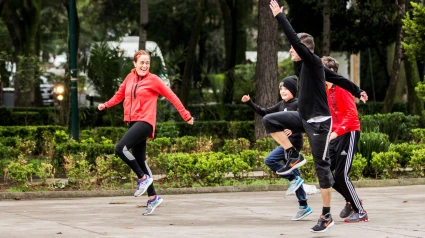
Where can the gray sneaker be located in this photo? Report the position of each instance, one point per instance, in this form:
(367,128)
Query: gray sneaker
(142,186)
(303,212)
(346,211)
(357,217)
(152,205)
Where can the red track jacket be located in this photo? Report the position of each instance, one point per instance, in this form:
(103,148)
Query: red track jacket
(140,96)
(343,110)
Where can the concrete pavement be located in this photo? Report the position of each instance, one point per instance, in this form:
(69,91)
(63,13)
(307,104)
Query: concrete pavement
(393,212)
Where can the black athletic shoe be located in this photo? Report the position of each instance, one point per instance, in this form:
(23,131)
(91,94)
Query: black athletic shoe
(291,164)
(323,224)
(346,211)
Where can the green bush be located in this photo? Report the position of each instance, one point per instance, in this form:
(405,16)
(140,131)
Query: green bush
(266,144)
(308,171)
(417,162)
(111,171)
(418,135)
(179,168)
(396,125)
(92,150)
(235,146)
(210,169)
(158,146)
(44,171)
(406,151)
(79,171)
(20,171)
(369,143)
(357,167)
(251,157)
(384,163)
(185,144)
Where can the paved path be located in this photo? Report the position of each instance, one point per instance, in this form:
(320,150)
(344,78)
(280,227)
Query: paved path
(393,212)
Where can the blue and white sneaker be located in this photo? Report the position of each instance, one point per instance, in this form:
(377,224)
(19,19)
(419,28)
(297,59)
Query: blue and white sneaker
(152,205)
(142,185)
(294,185)
(303,212)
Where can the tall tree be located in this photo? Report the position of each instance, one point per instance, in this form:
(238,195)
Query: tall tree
(398,57)
(191,53)
(22,20)
(235,14)
(326,42)
(266,69)
(144,20)
(414,27)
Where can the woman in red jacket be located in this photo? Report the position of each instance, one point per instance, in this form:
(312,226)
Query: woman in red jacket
(140,91)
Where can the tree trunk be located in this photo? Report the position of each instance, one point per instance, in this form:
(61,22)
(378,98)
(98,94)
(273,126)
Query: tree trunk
(22,22)
(266,85)
(415,103)
(398,56)
(235,13)
(144,20)
(326,45)
(191,54)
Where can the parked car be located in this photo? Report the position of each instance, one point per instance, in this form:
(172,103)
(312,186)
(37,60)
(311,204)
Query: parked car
(46,89)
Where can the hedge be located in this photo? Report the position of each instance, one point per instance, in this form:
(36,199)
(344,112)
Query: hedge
(91,117)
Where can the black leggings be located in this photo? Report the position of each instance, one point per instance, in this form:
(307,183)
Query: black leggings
(135,139)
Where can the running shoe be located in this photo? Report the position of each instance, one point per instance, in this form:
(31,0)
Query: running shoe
(294,185)
(302,212)
(323,224)
(291,164)
(142,185)
(357,217)
(151,205)
(346,211)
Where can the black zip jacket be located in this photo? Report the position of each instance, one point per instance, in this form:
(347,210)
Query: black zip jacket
(312,96)
(292,105)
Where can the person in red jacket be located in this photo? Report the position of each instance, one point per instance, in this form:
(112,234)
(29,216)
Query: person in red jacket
(343,144)
(140,91)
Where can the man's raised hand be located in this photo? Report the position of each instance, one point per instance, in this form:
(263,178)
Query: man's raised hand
(274,6)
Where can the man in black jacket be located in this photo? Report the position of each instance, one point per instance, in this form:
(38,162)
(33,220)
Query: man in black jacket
(313,115)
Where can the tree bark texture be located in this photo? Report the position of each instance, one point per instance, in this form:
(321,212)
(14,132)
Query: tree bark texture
(191,54)
(326,45)
(266,83)
(144,20)
(398,56)
(414,102)
(22,22)
(235,13)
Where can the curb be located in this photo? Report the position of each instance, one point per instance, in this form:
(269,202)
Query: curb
(218,189)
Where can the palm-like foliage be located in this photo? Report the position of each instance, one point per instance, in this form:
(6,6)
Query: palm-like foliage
(106,69)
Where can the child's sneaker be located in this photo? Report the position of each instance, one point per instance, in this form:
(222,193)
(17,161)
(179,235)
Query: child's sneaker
(152,205)
(294,185)
(142,185)
(303,212)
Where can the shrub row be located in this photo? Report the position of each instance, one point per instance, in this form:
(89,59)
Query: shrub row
(180,170)
(91,117)
(399,128)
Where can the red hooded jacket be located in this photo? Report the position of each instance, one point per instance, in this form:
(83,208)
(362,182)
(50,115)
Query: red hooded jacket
(343,110)
(140,95)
